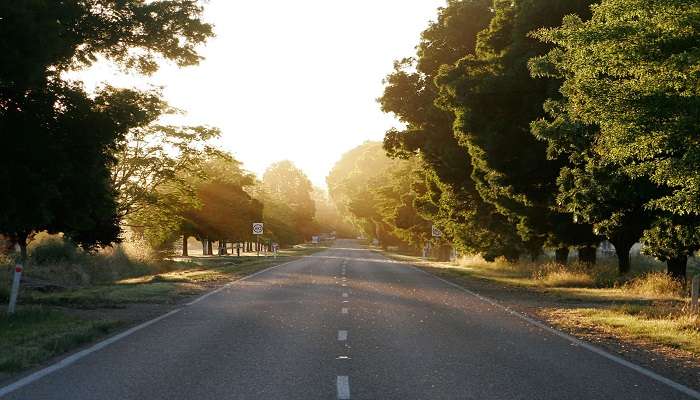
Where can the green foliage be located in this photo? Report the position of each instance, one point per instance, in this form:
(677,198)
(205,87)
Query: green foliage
(628,119)
(53,250)
(289,206)
(58,141)
(494,100)
(632,70)
(372,192)
(445,192)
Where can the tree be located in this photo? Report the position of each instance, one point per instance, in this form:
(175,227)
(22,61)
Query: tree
(288,188)
(494,100)
(446,193)
(630,69)
(59,140)
(59,145)
(628,72)
(218,208)
(155,156)
(327,216)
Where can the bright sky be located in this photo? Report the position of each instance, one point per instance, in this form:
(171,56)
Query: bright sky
(292,80)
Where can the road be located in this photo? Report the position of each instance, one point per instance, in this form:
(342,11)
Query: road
(344,323)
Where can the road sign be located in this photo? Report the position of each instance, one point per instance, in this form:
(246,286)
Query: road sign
(257,228)
(436,232)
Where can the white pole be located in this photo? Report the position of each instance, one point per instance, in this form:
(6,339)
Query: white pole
(15,289)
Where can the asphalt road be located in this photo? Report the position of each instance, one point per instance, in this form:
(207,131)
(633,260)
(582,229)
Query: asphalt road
(344,323)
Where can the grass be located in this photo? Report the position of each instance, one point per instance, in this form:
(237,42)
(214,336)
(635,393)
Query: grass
(668,325)
(46,324)
(36,334)
(647,306)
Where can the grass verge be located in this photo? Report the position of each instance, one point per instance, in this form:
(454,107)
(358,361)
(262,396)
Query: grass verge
(35,334)
(49,323)
(649,308)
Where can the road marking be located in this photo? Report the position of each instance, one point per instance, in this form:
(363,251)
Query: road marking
(651,374)
(342,335)
(77,356)
(345,295)
(100,345)
(343,284)
(343,385)
(344,310)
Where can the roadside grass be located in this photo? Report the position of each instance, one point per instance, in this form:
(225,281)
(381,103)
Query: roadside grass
(49,322)
(182,279)
(36,334)
(646,305)
(667,324)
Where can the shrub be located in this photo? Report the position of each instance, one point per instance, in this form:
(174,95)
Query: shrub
(655,284)
(575,275)
(48,250)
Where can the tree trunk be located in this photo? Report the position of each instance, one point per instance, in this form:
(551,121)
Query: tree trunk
(210,247)
(23,251)
(622,251)
(204,247)
(561,255)
(534,255)
(184,245)
(677,268)
(587,254)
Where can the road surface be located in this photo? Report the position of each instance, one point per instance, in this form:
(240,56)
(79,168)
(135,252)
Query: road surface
(344,323)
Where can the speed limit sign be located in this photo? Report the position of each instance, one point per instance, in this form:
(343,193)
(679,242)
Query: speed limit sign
(257,228)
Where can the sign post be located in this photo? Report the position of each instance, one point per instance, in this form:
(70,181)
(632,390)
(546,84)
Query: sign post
(257,231)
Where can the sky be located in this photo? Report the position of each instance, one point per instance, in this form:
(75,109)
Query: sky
(290,80)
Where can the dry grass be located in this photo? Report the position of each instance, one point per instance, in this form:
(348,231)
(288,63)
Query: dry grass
(650,307)
(666,323)
(655,284)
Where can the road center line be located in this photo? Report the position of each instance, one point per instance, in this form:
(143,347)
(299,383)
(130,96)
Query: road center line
(344,310)
(343,385)
(342,335)
(345,295)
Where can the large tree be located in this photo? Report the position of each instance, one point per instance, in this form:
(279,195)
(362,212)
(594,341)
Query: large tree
(445,193)
(631,73)
(494,100)
(58,141)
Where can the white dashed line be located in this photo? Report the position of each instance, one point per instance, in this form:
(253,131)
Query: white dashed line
(344,310)
(345,295)
(342,335)
(343,384)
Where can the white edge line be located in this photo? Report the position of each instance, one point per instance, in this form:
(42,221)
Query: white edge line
(651,374)
(104,343)
(343,386)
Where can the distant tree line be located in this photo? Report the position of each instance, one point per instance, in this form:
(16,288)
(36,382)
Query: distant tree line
(552,124)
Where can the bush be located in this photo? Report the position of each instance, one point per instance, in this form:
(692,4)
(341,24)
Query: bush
(575,275)
(48,250)
(655,284)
